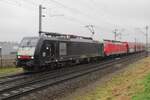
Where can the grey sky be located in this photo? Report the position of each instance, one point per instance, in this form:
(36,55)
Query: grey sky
(19,18)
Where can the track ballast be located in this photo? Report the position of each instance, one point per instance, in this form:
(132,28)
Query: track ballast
(59,76)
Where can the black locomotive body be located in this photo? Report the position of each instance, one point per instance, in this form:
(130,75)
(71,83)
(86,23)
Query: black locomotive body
(36,53)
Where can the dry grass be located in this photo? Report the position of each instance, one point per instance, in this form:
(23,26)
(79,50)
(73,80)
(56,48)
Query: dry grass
(9,71)
(8,63)
(122,86)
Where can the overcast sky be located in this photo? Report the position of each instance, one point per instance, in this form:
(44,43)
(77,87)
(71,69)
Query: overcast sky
(19,18)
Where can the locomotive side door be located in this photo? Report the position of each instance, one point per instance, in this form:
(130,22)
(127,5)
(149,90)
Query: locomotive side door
(48,51)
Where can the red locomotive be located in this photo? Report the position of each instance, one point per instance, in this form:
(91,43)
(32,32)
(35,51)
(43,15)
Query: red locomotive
(112,47)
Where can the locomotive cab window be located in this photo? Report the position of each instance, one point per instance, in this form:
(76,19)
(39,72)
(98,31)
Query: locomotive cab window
(29,42)
(27,46)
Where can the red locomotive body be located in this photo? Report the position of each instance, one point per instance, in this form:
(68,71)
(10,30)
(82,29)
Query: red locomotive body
(112,47)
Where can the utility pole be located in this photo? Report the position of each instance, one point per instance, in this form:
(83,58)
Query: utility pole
(40,18)
(115,34)
(146,39)
(1,57)
(91,29)
(135,40)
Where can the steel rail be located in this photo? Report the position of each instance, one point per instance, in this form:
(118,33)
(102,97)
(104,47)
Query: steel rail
(49,81)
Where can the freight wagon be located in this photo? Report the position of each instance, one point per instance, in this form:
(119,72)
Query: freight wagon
(131,47)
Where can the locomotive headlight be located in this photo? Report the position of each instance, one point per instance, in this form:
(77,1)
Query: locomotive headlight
(32,57)
(19,57)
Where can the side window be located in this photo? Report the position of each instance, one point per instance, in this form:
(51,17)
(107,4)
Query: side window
(62,49)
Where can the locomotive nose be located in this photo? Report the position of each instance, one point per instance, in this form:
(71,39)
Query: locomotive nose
(25,57)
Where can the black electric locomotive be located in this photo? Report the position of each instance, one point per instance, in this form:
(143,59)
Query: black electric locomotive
(55,50)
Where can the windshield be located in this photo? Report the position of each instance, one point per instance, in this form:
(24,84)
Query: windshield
(29,42)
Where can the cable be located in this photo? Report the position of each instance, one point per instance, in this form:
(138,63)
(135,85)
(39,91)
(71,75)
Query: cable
(67,7)
(73,10)
(15,3)
(103,16)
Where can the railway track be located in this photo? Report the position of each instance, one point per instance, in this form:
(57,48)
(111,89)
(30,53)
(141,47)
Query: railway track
(10,81)
(24,77)
(8,77)
(21,89)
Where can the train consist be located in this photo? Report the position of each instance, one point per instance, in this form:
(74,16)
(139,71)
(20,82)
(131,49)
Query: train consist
(56,50)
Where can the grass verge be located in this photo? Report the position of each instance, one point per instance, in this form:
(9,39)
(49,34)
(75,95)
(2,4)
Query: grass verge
(9,70)
(145,94)
(126,85)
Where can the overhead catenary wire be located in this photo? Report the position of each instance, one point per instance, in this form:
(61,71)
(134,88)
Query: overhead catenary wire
(72,10)
(87,18)
(19,4)
(76,11)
